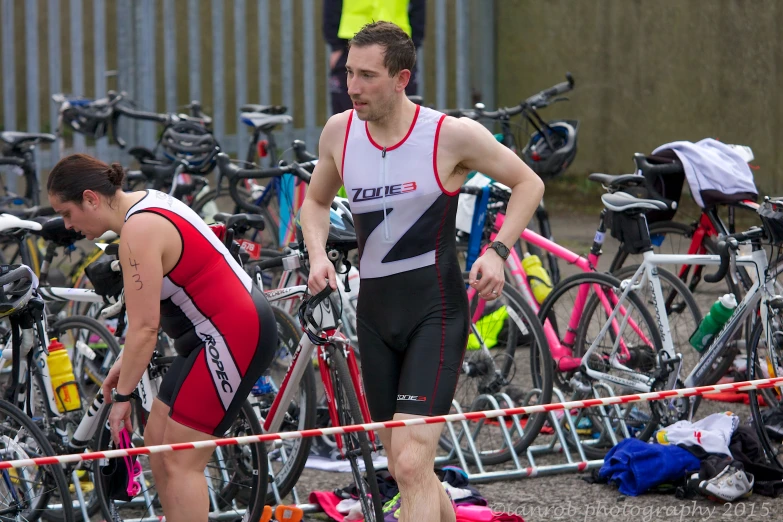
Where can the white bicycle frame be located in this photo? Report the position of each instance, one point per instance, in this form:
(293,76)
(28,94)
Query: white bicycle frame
(647,273)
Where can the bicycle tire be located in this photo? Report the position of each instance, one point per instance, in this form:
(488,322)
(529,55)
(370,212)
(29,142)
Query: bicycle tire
(93,370)
(693,311)
(773,457)
(225,495)
(349,411)
(646,319)
(53,472)
(540,358)
(289,334)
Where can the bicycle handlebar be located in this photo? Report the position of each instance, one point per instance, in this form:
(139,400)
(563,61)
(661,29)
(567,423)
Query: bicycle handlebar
(19,162)
(236,174)
(538,100)
(731,242)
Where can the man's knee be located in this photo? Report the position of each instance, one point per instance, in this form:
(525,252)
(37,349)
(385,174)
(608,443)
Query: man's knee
(412,462)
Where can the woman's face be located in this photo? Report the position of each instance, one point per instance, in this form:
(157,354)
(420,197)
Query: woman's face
(82,217)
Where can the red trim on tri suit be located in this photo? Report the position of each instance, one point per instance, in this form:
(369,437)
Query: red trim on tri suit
(225,305)
(435,160)
(442,307)
(345,144)
(413,124)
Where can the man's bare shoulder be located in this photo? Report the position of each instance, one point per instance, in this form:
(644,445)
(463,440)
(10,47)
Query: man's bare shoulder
(458,133)
(335,127)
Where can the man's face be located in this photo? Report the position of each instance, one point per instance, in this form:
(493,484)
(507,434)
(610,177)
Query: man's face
(370,87)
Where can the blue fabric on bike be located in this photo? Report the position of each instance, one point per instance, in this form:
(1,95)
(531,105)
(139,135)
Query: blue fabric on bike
(638,466)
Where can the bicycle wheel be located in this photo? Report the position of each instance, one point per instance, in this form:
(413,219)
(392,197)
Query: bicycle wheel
(236,476)
(93,349)
(355,445)
(25,492)
(684,316)
(765,401)
(289,457)
(640,336)
(507,353)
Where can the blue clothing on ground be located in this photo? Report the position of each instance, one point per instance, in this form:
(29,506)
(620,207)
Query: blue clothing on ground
(637,466)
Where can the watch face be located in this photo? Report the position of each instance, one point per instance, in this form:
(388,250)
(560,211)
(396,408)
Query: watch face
(501,249)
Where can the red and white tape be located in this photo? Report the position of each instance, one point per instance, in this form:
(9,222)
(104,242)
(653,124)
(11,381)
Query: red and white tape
(489,414)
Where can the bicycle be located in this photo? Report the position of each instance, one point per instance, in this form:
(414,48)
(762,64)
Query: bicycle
(550,134)
(662,178)
(25,492)
(18,151)
(74,431)
(338,369)
(602,359)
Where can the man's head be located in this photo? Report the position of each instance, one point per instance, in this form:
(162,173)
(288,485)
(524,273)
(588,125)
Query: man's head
(380,59)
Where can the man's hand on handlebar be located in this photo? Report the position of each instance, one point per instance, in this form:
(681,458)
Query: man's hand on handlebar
(322,272)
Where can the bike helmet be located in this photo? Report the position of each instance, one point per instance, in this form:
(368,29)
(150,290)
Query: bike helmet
(342,234)
(319,317)
(17,284)
(86,117)
(193,143)
(551,158)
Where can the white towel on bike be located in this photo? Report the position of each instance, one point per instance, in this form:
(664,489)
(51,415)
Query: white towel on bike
(712,433)
(712,166)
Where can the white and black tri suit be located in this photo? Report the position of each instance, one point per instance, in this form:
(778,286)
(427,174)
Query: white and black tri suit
(413,308)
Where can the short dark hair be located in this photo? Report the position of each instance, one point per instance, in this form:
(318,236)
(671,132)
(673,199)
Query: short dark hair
(399,51)
(79,172)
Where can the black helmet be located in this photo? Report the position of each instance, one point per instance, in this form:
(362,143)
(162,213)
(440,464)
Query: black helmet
(17,284)
(319,316)
(191,142)
(551,158)
(342,234)
(86,117)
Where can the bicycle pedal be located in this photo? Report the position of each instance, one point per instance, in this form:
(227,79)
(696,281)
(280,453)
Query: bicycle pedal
(288,514)
(266,516)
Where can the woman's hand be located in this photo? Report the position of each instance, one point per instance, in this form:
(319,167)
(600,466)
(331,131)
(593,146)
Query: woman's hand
(119,417)
(111,380)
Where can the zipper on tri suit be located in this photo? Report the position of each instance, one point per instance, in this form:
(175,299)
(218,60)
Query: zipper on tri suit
(386,231)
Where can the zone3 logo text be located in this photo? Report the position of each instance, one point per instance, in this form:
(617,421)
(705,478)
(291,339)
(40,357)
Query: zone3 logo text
(367,194)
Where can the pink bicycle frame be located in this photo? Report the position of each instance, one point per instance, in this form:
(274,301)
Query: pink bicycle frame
(561,350)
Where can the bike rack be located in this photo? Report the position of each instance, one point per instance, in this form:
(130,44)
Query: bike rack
(573,449)
(524,466)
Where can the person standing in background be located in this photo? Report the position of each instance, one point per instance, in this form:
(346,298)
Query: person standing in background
(344,18)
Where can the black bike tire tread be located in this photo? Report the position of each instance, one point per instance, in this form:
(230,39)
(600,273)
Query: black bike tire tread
(61,482)
(340,365)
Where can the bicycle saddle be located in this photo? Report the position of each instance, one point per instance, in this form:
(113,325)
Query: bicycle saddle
(265,121)
(53,229)
(264,109)
(623,202)
(17,138)
(619,181)
(8,222)
(240,222)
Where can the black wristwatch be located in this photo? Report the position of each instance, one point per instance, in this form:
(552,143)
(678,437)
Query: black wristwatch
(501,249)
(118,397)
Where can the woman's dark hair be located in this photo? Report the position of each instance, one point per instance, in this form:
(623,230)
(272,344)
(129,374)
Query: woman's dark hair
(79,172)
(399,51)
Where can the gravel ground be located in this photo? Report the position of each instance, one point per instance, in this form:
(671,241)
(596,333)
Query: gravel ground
(566,496)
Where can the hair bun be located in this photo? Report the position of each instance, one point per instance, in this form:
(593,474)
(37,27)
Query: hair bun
(116,174)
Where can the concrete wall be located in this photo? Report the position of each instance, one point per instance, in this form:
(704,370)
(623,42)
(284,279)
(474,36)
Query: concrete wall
(651,72)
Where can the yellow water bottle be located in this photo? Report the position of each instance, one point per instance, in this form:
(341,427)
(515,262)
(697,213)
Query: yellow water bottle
(537,276)
(66,391)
